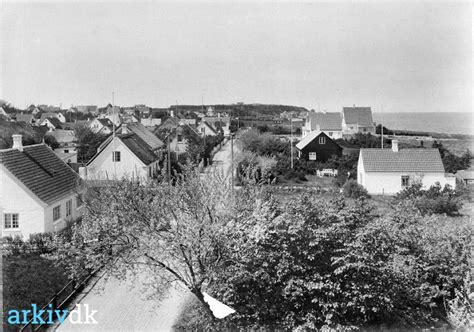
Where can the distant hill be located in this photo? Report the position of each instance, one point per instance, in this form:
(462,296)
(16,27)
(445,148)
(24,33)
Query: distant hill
(243,109)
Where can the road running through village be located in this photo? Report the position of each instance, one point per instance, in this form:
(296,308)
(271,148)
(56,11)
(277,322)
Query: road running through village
(123,305)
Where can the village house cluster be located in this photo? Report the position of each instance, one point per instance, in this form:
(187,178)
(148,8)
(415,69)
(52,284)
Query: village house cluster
(41,189)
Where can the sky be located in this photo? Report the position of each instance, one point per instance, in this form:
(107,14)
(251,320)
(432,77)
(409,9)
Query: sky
(395,57)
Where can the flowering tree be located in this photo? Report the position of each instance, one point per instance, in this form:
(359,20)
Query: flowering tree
(176,234)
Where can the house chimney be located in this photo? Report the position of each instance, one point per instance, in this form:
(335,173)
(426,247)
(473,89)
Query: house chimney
(124,128)
(17,142)
(172,113)
(395,145)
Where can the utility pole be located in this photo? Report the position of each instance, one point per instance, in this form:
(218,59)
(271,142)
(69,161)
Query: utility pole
(169,160)
(232,161)
(113,136)
(291,138)
(381,131)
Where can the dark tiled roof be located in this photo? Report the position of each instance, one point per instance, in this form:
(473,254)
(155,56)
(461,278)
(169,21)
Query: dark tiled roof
(326,121)
(360,115)
(406,160)
(106,122)
(55,121)
(139,147)
(41,171)
(210,126)
(146,135)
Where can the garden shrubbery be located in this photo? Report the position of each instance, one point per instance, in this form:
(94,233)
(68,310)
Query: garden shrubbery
(312,263)
(354,190)
(435,200)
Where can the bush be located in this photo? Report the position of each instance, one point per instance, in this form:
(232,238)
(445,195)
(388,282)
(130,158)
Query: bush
(354,190)
(312,263)
(435,200)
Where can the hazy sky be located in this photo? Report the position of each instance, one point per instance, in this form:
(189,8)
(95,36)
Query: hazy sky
(408,57)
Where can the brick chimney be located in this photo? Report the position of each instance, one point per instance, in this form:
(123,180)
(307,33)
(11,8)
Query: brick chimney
(17,142)
(395,145)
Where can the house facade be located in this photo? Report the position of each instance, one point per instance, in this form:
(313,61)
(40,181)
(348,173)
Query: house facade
(206,129)
(51,123)
(317,146)
(101,126)
(38,192)
(135,153)
(357,120)
(388,171)
(219,122)
(329,123)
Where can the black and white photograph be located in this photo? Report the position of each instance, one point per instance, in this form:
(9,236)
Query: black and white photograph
(236,166)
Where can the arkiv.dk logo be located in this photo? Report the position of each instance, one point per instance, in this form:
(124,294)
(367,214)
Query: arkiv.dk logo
(80,315)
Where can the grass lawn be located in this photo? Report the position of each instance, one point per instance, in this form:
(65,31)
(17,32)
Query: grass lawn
(29,279)
(313,181)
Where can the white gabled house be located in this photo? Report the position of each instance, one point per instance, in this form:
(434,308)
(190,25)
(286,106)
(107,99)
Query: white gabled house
(101,126)
(388,171)
(206,129)
(328,123)
(357,120)
(135,153)
(39,193)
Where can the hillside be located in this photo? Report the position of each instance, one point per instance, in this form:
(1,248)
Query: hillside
(244,109)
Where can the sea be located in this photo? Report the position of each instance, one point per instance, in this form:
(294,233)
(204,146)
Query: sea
(442,122)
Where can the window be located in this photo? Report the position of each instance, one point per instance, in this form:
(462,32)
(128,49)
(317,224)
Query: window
(11,220)
(330,134)
(322,140)
(116,156)
(312,156)
(180,138)
(68,208)
(405,180)
(66,151)
(79,200)
(56,212)
(203,130)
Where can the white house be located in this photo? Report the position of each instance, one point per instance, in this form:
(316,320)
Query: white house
(101,126)
(151,122)
(3,113)
(206,129)
(357,120)
(388,171)
(134,153)
(38,192)
(57,115)
(328,123)
(68,149)
(51,123)
(219,122)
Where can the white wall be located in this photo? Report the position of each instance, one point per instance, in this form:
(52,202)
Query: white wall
(129,166)
(59,224)
(391,183)
(14,199)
